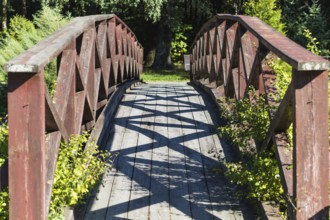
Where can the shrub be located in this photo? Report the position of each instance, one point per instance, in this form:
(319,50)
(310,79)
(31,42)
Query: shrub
(258,176)
(3,140)
(260,179)
(266,10)
(4,198)
(77,171)
(246,122)
(4,205)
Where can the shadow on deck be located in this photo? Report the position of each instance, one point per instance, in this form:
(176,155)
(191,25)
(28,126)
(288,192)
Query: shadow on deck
(165,136)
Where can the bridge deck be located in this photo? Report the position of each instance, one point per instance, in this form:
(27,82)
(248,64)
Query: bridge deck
(165,137)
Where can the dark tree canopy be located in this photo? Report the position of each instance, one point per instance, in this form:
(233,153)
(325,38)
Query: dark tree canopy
(166,28)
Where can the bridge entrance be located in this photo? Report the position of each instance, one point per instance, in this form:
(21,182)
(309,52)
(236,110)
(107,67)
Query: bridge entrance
(167,164)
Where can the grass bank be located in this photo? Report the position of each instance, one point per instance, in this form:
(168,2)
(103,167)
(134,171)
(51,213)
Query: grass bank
(152,75)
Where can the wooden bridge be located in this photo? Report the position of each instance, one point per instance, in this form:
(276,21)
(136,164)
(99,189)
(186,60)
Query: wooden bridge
(166,134)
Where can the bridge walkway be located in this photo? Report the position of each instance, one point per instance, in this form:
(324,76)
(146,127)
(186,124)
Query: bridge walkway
(166,139)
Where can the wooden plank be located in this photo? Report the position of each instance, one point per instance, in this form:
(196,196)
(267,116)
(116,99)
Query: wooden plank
(159,186)
(98,204)
(53,141)
(179,192)
(310,129)
(120,195)
(297,56)
(38,56)
(27,154)
(139,199)
(220,192)
(199,196)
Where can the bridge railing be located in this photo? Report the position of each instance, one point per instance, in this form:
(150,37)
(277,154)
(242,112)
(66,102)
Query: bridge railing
(93,55)
(229,55)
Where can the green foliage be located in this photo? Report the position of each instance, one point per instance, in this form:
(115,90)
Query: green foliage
(283,73)
(179,44)
(246,122)
(22,34)
(152,8)
(266,10)
(259,177)
(19,24)
(312,43)
(4,205)
(152,75)
(78,169)
(301,16)
(4,199)
(3,140)
(48,20)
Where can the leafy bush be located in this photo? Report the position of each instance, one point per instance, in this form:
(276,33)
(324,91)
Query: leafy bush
(266,10)
(179,44)
(22,34)
(4,199)
(3,140)
(246,122)
(4,205)
(78,168)
(260,179)
(283,73)
(299,17)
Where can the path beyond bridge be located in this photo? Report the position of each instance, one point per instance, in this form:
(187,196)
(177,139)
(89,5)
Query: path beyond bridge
(166,139)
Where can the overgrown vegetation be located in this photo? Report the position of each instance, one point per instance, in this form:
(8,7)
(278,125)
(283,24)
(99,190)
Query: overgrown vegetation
(260,179)
(247,123)
(21,35)
(152,75)
(78,169)
(4,205)
(4,199)
(266,10)
(246,126)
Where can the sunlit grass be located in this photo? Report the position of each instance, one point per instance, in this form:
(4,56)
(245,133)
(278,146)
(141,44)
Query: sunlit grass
(151,75)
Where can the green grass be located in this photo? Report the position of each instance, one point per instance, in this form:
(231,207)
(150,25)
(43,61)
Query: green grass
(151,75)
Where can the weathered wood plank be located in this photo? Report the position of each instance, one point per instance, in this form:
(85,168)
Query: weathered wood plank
(310,130)
(139,199)
(169,175)
(26,151)
(159,188)
(179,192)
(200,202)
(98,203)
(120,196)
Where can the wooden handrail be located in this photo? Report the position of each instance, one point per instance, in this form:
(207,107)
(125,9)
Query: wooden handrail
(230,54)
(94,54)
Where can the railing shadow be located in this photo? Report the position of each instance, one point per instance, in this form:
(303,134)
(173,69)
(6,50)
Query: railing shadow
(164,176)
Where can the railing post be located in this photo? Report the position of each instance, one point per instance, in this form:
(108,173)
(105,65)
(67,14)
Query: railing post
(27,169)
(310,156)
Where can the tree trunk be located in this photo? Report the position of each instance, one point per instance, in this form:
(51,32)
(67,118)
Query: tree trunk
(4,14)
(163,41)
(163,47)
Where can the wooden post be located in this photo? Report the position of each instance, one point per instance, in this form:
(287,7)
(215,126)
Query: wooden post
(311,161)
(27,167)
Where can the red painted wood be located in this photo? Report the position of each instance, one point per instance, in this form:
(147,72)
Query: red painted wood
(311,161)
(27,152)
(242,48)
